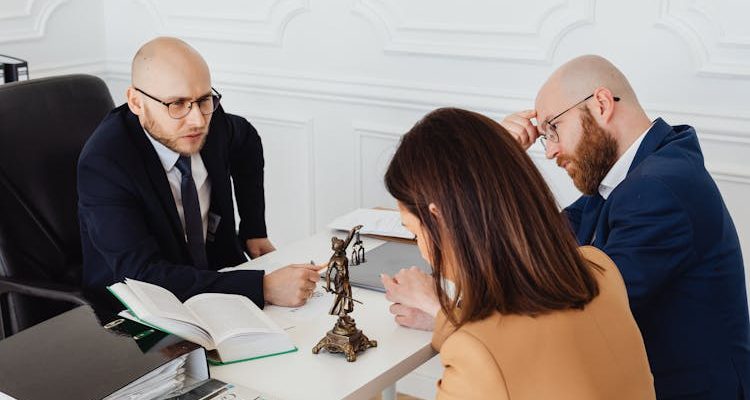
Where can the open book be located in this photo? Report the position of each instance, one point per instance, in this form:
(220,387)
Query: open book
(231,325)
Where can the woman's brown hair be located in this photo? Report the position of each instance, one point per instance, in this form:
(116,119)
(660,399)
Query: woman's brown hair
(511,250)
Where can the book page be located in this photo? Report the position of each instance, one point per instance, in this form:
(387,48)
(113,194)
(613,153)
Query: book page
(129,299)
(160,302)
(227,315)
(376,222)
(185,330)
(288,317)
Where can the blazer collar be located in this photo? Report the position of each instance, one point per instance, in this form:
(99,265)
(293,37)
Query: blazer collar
(154,170)
(211,153)
(653,140)
(213,159)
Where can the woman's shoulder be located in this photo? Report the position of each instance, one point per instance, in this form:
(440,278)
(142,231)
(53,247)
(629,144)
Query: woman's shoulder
(500,329)
(479,330)
(596,256)
(605,270)
(473,341)
(613,295)
(470,367)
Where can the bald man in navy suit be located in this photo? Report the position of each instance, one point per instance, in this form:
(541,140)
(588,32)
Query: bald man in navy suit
(650,204)
(155,190)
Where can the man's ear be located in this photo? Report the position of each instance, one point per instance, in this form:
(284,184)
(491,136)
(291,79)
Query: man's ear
(135,101)
(605,105)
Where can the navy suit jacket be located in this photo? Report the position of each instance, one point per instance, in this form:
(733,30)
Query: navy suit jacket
(668,230)
(129,222)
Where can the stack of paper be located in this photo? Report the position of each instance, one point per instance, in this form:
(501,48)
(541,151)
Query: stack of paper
(374,222)
(159,382)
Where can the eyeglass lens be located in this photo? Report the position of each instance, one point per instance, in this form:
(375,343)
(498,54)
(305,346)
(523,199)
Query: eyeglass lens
(207,105)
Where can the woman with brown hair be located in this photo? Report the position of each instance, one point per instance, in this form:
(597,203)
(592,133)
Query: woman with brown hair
(531,315)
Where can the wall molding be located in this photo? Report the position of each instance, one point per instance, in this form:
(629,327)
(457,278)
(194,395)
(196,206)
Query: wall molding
(363,131)
(483,42)
(26,12)
(730,176)
(98,67)
(727,125)
(362,91)
(719,129)
(718,54)
(263,28)
(30,24)
(306,129)
(728,129)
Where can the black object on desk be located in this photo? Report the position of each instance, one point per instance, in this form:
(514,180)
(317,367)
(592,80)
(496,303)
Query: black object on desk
(72,356)
(13,69)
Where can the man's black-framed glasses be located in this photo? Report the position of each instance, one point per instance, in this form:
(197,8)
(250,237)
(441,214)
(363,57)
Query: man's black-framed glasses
(180,108)
(549,130)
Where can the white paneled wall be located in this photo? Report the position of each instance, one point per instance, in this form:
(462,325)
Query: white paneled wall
(55,36)
(332,84)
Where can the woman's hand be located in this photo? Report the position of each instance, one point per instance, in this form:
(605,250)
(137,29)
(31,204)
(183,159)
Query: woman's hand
(415,301)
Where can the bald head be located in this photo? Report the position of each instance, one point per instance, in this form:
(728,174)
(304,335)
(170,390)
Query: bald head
(167,62)
(612,103)
(168,72)
(580,76)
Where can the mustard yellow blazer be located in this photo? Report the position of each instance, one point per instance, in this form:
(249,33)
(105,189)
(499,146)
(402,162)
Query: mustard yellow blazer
(594,353)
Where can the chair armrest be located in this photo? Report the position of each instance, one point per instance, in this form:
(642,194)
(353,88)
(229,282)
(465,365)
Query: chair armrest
(42,289)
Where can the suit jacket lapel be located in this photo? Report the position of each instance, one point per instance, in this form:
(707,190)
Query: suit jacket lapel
(216,169)
(589,218)
(221,210)
(592,211)
(156,174)
(654,138)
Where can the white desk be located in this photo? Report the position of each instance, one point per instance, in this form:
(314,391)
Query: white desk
(303,375)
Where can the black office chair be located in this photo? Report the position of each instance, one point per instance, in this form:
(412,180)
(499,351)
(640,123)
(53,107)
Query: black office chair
(44,124)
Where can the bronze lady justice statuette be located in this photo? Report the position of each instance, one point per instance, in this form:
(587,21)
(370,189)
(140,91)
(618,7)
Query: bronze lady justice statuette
(344,337)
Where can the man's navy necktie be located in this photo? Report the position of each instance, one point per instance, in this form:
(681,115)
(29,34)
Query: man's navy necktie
(192,211)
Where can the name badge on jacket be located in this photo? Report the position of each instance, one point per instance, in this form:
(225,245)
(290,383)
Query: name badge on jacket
(213,224)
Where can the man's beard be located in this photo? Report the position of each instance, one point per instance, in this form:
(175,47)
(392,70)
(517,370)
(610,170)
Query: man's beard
(155,131)
(594,156)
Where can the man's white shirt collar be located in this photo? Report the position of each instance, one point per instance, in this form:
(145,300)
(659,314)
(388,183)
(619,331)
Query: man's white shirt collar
(169,157)
(619,170)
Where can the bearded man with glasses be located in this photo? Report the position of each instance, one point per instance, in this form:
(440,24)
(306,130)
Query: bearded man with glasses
(649,203)
(155,190)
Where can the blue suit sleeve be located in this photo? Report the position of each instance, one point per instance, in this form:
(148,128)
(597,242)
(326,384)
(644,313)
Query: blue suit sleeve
(573,212)
(115,224)
(650,238)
